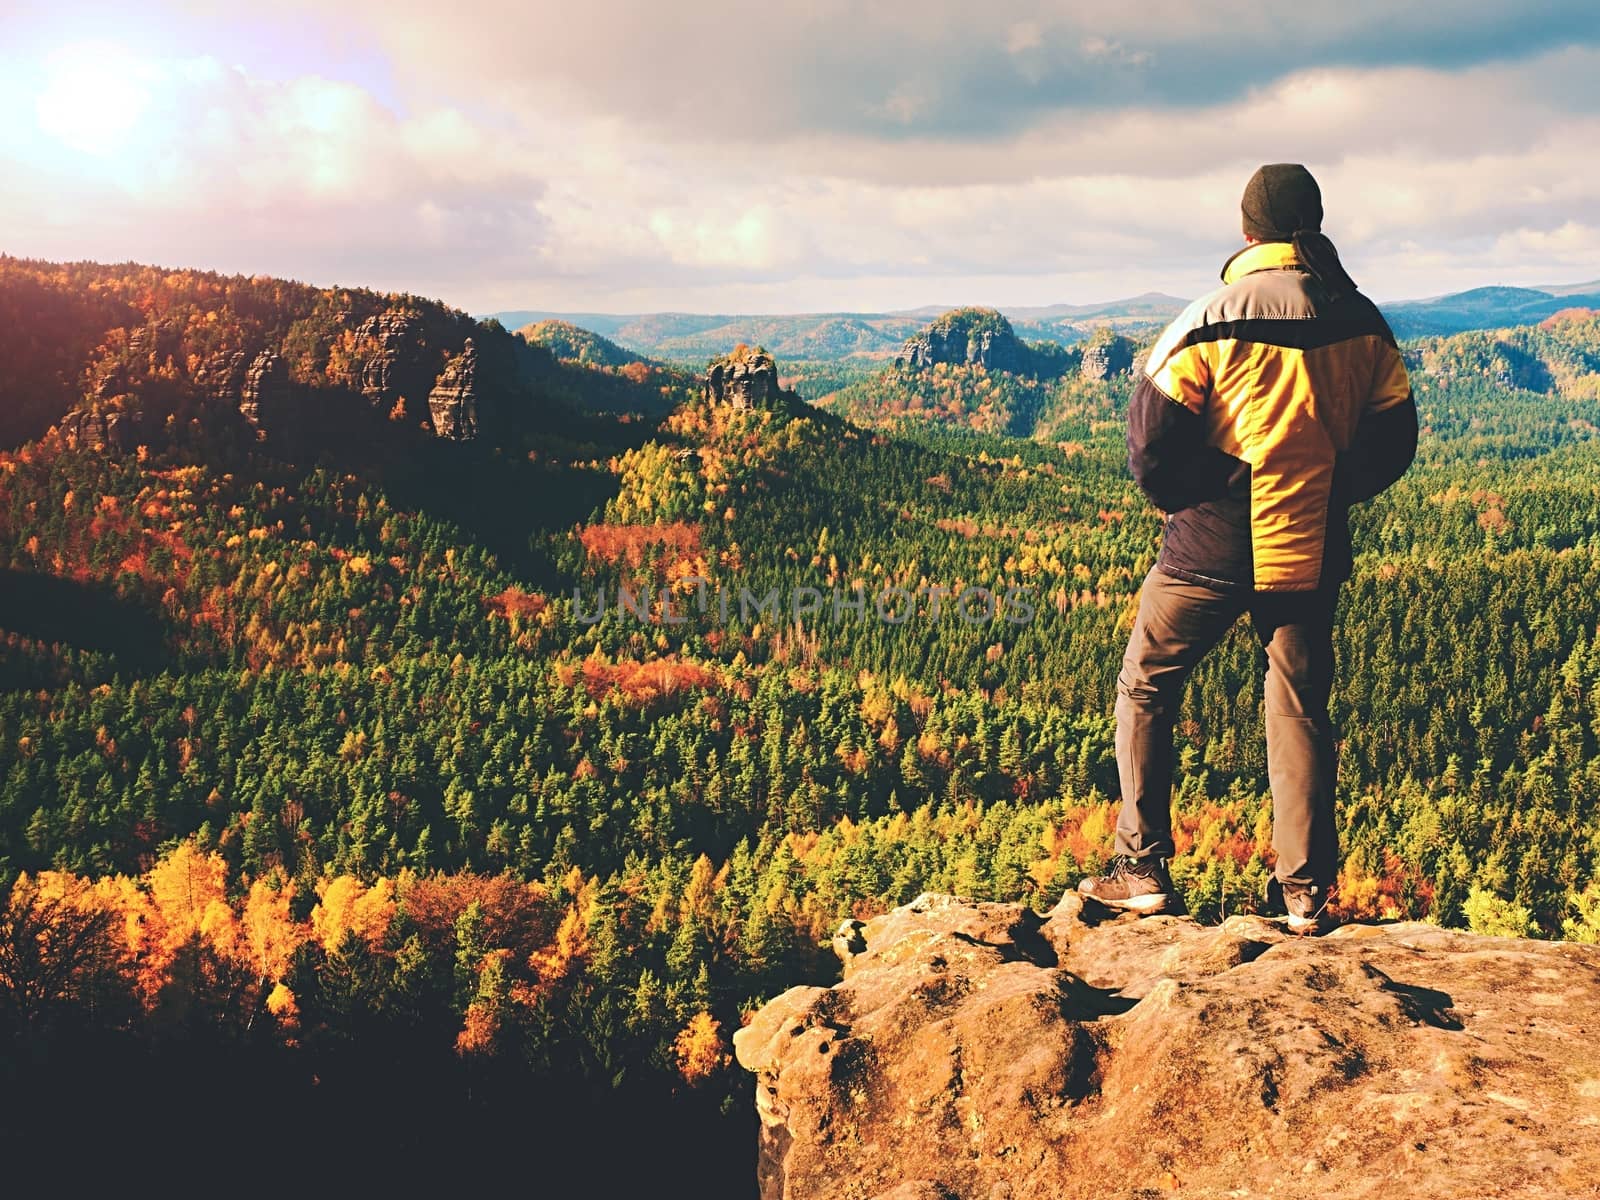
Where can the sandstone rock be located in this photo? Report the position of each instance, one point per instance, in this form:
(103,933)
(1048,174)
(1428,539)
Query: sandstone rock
(258,386)
(982,1050)
(222,377)
(745,378)
(83,428)
(98,429)
(395,362)
(266,387)
(847,940)
(916,1189)
(1107,356)
(453,402)
(967,336)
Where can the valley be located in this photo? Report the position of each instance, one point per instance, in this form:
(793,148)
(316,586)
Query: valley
(311,771)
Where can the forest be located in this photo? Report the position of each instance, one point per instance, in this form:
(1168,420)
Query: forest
(315,788)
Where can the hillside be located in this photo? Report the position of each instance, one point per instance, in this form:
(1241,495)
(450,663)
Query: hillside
(1483,308)
(1591,288)
(1559,356)
(135,351)
(969,369)
(518,771)
(569,343)
(826,337)
(839,337)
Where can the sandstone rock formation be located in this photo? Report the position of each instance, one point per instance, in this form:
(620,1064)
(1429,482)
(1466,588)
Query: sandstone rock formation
(453,401)
(221,376)
(98,429)
(265,388)
(257,386)
(1105,357)
(963,336)
(982,1052)
(745,378)
(395,360)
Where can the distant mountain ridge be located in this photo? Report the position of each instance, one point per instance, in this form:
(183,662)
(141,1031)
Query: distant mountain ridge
(1568,289)
(1486,308)
(859,335)
(697,337)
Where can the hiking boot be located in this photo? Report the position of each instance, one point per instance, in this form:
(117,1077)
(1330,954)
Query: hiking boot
(1139,885)
(1307,908)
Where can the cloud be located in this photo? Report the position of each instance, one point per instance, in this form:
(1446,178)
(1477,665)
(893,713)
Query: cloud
(928,68)
(832,155)
(307,176)
(1163,183)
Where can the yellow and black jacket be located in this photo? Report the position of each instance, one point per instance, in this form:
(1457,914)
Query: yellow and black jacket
(1263,412)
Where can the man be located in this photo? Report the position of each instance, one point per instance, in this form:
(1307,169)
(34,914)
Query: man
(1264,411)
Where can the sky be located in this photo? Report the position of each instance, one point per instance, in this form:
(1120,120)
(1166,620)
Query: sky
(824,155)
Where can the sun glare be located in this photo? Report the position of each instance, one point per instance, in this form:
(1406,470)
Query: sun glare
(93,97)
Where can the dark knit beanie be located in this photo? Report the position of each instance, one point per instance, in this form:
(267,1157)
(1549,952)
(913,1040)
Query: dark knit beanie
(1282,203)
(1281,200)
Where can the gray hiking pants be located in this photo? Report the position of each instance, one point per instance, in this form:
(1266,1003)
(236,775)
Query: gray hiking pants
(1178,623)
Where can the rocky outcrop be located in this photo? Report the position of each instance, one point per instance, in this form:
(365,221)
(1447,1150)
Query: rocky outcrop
(453,401)
(745,378)
(1107,356)
(266,387)
(98,429)
(221,377)
(258,386)
(394,361)
(967,336)
(981,1051)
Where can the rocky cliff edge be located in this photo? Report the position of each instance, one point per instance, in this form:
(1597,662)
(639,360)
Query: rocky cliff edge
(978,1051)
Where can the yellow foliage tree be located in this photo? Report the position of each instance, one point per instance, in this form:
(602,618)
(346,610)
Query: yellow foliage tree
(184,888)
(281,1004)
(699,1048)
(187,912)
(552,962)
(55,936)
(699,895)
(270,934)
(346,905)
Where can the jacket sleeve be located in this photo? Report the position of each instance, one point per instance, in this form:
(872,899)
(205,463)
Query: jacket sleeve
(1167,450)
(1386,437)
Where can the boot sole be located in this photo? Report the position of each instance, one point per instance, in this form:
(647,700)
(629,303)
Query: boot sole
(1144,905)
